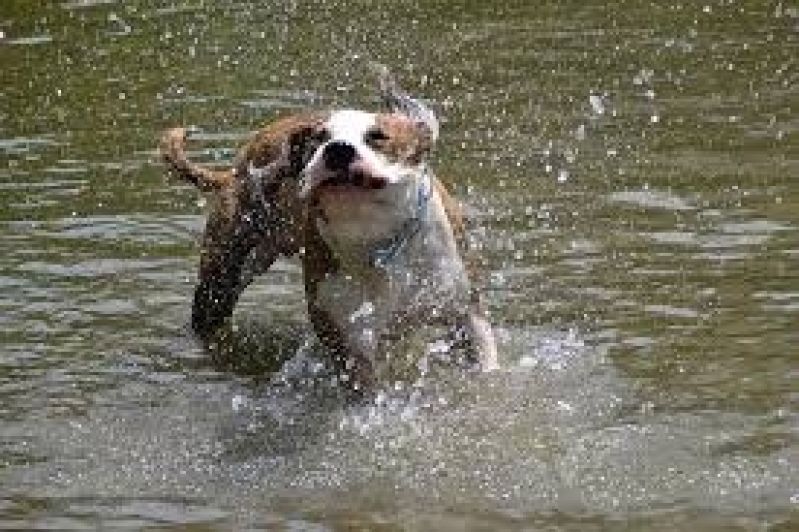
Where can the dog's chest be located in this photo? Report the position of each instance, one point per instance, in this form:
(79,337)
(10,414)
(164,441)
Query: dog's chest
(394,291)
(422,285)
(382,309)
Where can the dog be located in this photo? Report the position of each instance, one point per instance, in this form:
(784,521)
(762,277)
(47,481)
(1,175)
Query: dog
(381,240)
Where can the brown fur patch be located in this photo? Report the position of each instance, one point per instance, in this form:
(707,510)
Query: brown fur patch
(250,223)
(268,144)
(405,140)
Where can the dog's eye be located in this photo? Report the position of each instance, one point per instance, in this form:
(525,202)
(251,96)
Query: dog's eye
(375,136)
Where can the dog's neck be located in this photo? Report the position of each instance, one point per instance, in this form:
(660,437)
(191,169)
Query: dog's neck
(384,252)
(375,235)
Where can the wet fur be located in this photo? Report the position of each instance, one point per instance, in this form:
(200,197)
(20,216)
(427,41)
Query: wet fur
(257,214)
(251,220)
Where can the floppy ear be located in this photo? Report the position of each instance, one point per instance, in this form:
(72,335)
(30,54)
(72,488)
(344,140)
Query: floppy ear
(303,143)
(282,146)
(399,101)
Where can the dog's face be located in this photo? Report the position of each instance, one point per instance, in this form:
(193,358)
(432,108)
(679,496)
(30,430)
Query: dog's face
(357,151)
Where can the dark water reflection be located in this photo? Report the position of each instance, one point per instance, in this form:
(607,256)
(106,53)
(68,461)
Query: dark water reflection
(633,167)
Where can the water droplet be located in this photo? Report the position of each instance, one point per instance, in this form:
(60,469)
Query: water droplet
(597,104)
(563,405)
(236,402)
(644,76)
(365,310)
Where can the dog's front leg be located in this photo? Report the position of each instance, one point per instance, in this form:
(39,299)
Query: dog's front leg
(350,357)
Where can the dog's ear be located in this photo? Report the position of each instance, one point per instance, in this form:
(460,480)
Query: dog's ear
(399,101)
(303,142)
(285,144)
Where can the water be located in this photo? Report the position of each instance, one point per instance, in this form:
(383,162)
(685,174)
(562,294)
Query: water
(634,171)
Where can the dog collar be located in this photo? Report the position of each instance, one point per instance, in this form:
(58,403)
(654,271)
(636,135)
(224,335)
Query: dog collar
(387,250)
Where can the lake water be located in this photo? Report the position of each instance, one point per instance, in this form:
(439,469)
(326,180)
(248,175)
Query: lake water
(634,169)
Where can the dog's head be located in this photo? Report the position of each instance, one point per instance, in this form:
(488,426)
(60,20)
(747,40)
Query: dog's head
(356,166)
(359,149)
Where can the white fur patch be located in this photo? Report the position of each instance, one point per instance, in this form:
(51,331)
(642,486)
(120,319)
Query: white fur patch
(350,126)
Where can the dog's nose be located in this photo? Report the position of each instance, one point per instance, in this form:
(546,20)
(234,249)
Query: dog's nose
(339,155)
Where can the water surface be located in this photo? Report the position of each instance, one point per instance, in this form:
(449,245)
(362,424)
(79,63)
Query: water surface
(633,169)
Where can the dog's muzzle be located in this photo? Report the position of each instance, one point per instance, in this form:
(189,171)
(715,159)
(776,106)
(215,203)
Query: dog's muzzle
(342,166)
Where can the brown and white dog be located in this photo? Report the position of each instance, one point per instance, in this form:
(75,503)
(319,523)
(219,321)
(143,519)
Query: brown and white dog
(379,236)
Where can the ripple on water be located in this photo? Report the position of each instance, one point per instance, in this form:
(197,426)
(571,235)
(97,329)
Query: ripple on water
(724,235)
(86,4)
(137,228)
(283,99)
(25,144)
(653,199)
(31,40)
(778,301)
